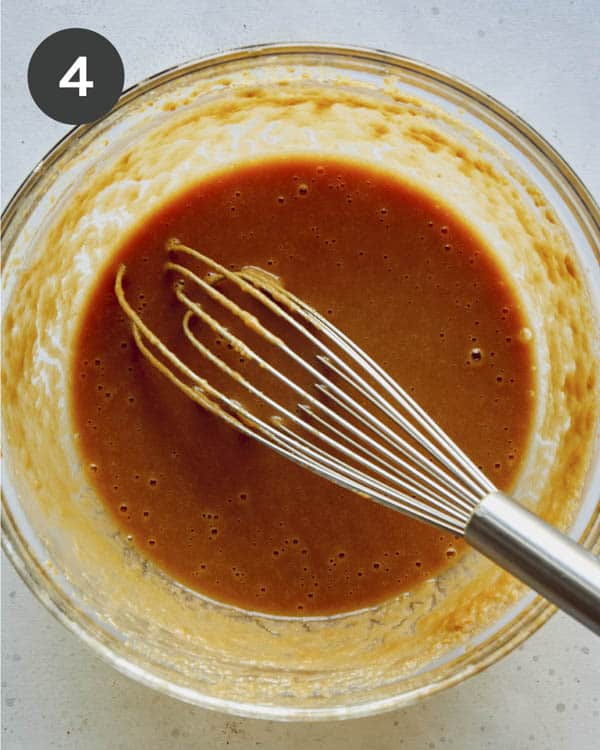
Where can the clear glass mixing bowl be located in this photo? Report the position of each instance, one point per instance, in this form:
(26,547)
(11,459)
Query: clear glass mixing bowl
(295,678)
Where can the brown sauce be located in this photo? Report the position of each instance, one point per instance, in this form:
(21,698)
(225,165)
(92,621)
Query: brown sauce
(404,278)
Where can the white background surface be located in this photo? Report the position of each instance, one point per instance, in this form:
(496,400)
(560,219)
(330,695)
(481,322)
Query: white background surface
(542,59)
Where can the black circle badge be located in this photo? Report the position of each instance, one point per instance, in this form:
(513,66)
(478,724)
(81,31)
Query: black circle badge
(75,76)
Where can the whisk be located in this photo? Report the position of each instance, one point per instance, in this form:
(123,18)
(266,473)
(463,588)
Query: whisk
(355,426)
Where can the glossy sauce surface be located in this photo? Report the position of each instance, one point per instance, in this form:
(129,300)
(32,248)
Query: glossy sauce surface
(404,278)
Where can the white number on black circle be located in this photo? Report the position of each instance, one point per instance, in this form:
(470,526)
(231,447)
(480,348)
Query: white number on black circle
(68,81)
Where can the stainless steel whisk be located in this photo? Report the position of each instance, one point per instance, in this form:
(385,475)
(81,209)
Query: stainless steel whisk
(391,452)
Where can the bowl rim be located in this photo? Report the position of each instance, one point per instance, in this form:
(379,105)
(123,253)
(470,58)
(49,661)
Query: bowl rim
(518,628)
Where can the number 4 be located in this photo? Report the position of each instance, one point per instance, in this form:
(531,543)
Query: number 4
(82,84)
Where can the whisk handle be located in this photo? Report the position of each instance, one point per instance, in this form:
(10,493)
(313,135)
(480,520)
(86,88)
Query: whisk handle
(556,567)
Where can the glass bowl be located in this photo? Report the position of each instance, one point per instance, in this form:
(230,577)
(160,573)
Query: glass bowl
(54,529)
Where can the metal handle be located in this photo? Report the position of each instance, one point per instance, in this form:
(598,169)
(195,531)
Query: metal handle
(539,555)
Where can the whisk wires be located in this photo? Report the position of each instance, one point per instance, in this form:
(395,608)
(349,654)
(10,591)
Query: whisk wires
(391,451)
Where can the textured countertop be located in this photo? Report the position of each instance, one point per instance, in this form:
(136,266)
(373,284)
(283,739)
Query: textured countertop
(540,59)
